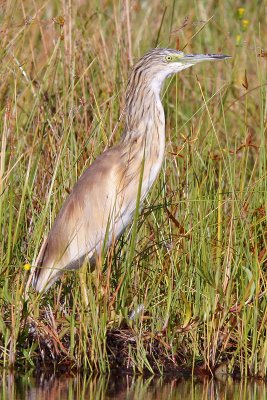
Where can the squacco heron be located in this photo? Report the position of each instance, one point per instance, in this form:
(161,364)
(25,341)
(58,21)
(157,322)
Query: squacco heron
(103,201)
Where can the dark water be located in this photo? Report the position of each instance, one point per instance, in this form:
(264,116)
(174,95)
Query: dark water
(52,387)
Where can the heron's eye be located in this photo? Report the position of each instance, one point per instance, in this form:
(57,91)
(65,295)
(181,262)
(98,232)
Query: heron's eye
(168,58)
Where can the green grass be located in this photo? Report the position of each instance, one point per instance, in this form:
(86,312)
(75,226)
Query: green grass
(196,256)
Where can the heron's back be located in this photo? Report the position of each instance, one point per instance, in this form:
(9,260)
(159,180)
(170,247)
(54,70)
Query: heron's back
(81,225)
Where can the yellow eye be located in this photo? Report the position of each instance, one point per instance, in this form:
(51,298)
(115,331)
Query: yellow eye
(168,58)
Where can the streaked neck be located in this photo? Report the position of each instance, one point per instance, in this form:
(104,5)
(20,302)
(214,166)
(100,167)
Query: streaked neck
(144,110)
(144,133)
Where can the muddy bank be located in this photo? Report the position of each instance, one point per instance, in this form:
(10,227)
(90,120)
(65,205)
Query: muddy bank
(53,354)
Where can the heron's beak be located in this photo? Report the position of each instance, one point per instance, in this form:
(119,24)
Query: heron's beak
(195,58)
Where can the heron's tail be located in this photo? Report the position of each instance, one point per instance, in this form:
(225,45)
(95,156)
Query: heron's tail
(42,276)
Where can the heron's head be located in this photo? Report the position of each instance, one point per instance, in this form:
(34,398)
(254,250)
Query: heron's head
(158,64)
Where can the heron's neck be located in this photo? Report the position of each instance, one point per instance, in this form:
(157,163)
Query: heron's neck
(144,112)
(144,134)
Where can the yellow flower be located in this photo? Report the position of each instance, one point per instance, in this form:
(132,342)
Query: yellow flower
(60,20)
(245,24)
(238,40)
(27,267)
(240,12)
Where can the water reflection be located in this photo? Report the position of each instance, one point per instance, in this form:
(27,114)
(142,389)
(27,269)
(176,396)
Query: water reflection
(74,386)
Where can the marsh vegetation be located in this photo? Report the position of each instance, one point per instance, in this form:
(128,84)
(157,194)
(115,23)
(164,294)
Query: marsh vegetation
(196,260)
